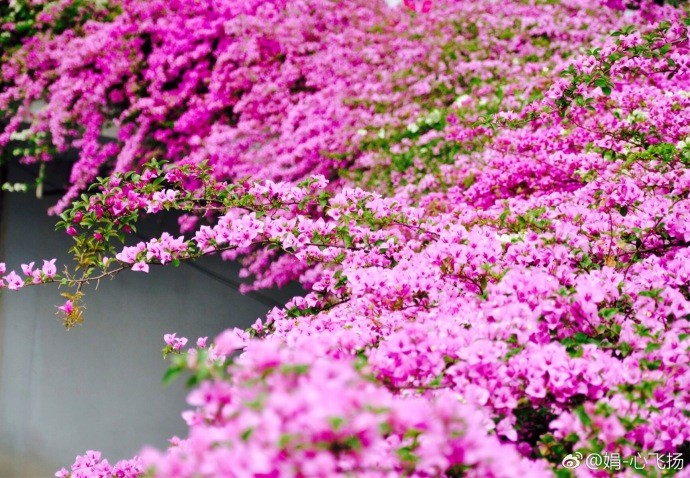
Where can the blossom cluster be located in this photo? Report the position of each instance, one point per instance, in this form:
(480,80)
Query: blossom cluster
(91,465)
(241,84)
(500,279)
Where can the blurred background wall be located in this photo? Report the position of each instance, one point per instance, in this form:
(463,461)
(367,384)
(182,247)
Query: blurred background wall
(98,386)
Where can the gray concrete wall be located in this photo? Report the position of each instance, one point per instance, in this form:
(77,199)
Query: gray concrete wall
(97,386)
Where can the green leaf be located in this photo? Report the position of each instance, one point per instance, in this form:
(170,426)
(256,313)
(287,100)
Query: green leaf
(337,423)
(405,454)
(246,434)
(504,215)
(623,210)
(652,293)
(608,313)
(192,381)
(172,373)
(581,338)
(582,415)
(650,364)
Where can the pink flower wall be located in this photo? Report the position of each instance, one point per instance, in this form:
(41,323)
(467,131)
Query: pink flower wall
(488,203)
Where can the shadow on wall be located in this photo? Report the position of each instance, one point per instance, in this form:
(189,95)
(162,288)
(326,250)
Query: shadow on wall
(98,386)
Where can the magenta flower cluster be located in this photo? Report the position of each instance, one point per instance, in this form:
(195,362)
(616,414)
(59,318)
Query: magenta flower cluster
(498,280)
(242,84)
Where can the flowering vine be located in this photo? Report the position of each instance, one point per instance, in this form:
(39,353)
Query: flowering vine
(498,281)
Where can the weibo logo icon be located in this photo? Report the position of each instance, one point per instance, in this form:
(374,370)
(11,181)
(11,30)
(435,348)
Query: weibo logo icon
(572,460)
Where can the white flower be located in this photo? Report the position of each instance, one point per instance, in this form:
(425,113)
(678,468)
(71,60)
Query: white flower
(508,238)
(460,100)
(433,117)
(20,135)
(412,128)
(637,116)
(15,188)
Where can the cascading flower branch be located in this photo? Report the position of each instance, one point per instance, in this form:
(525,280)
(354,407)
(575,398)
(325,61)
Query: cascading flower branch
(501,287)
(240,84)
